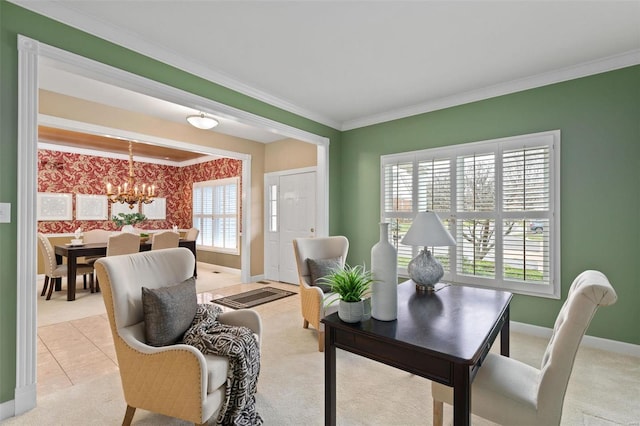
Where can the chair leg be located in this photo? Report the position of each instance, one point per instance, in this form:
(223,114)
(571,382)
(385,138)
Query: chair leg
(51,287)
(321,341)
(128,416)
(91,286)
(437,413)
(44,287)
(84,281)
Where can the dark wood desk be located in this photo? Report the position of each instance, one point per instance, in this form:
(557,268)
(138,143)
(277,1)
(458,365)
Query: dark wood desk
(443,337)
(99,249)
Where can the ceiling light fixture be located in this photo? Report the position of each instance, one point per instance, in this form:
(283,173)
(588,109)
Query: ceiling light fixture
(202,121)
(131,193)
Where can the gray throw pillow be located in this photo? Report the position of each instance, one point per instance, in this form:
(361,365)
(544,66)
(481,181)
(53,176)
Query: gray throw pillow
(168,312)
(318,268)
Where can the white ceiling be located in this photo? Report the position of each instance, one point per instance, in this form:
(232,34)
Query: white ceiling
(349,64)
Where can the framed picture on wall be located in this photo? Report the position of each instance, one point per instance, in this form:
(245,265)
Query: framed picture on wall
(156,210)
(122,208)
(54,206)
(91,207)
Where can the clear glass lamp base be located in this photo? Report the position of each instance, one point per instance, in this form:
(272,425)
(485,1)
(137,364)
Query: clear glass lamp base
(425,271)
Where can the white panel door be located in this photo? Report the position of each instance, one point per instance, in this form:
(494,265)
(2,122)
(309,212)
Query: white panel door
(297,206)
(271,228)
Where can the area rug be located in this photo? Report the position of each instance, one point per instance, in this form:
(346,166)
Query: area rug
(252,298)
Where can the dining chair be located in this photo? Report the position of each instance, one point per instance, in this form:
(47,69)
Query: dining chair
(510,392)
(123,243)
(192,234)
(165,240)
(93,236)
(310,254)
(119,244)
(53,273)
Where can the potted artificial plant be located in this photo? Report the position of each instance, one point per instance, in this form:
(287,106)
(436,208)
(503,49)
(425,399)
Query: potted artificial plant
(349,285)
(127,220)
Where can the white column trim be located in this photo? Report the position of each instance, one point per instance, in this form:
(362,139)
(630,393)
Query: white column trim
(26,327)
(245,237)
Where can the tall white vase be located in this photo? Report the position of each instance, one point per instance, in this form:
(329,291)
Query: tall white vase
(384,266)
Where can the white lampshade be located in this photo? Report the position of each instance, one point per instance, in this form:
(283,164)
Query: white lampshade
(428,230)
(202,121)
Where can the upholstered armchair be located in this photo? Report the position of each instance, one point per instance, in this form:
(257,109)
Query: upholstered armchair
(311,296)
(509,392)
(175,380)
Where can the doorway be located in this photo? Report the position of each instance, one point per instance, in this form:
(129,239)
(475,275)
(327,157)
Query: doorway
(30,51)
(289,213)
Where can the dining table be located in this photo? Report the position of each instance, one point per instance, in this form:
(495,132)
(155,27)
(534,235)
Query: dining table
(73,252)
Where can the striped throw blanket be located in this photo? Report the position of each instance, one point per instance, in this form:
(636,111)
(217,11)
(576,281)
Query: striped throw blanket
(239,344)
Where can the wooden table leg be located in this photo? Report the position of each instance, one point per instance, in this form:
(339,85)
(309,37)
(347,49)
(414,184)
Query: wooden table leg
(329,377)
(461,396)
(504,335)
(72,266)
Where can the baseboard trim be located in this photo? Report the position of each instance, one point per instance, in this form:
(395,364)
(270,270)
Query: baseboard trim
(256,278)
(615,346)
(7,409)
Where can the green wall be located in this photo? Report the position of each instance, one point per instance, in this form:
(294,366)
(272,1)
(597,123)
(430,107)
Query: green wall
(15,20)
(599,119)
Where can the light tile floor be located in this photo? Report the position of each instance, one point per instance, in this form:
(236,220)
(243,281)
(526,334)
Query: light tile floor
(74,339)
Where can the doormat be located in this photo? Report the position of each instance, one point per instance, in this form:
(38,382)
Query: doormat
(252,298)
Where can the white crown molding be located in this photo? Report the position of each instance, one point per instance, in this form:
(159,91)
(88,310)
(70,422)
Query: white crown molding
(94,129)
(67,15)
(570,73)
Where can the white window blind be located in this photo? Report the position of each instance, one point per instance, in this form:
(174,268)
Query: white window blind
(216,214)
(498,199)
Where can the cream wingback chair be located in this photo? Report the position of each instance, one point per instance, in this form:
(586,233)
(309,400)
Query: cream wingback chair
(165,239)
(177,380)
(509,392)
(311,297)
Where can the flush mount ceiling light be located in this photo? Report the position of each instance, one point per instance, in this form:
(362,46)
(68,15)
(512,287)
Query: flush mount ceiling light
(202,121)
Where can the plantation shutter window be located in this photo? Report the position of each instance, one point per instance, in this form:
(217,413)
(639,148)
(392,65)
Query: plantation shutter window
(216,214)
(497,198)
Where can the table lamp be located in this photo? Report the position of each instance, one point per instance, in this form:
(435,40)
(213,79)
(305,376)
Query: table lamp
(426,230)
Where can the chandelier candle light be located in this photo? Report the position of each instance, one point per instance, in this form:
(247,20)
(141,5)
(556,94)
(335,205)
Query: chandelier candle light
(427,230)
(130,193)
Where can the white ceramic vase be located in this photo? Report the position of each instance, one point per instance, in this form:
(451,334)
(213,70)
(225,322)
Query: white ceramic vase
(384,266)
(128,228)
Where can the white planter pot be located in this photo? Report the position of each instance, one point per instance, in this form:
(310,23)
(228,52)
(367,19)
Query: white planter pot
(351,311)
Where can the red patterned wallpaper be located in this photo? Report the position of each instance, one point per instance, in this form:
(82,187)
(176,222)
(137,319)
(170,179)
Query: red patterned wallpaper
(84,174)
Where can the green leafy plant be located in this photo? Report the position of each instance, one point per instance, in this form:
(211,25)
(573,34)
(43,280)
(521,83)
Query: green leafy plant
(128,218)
(350,283)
